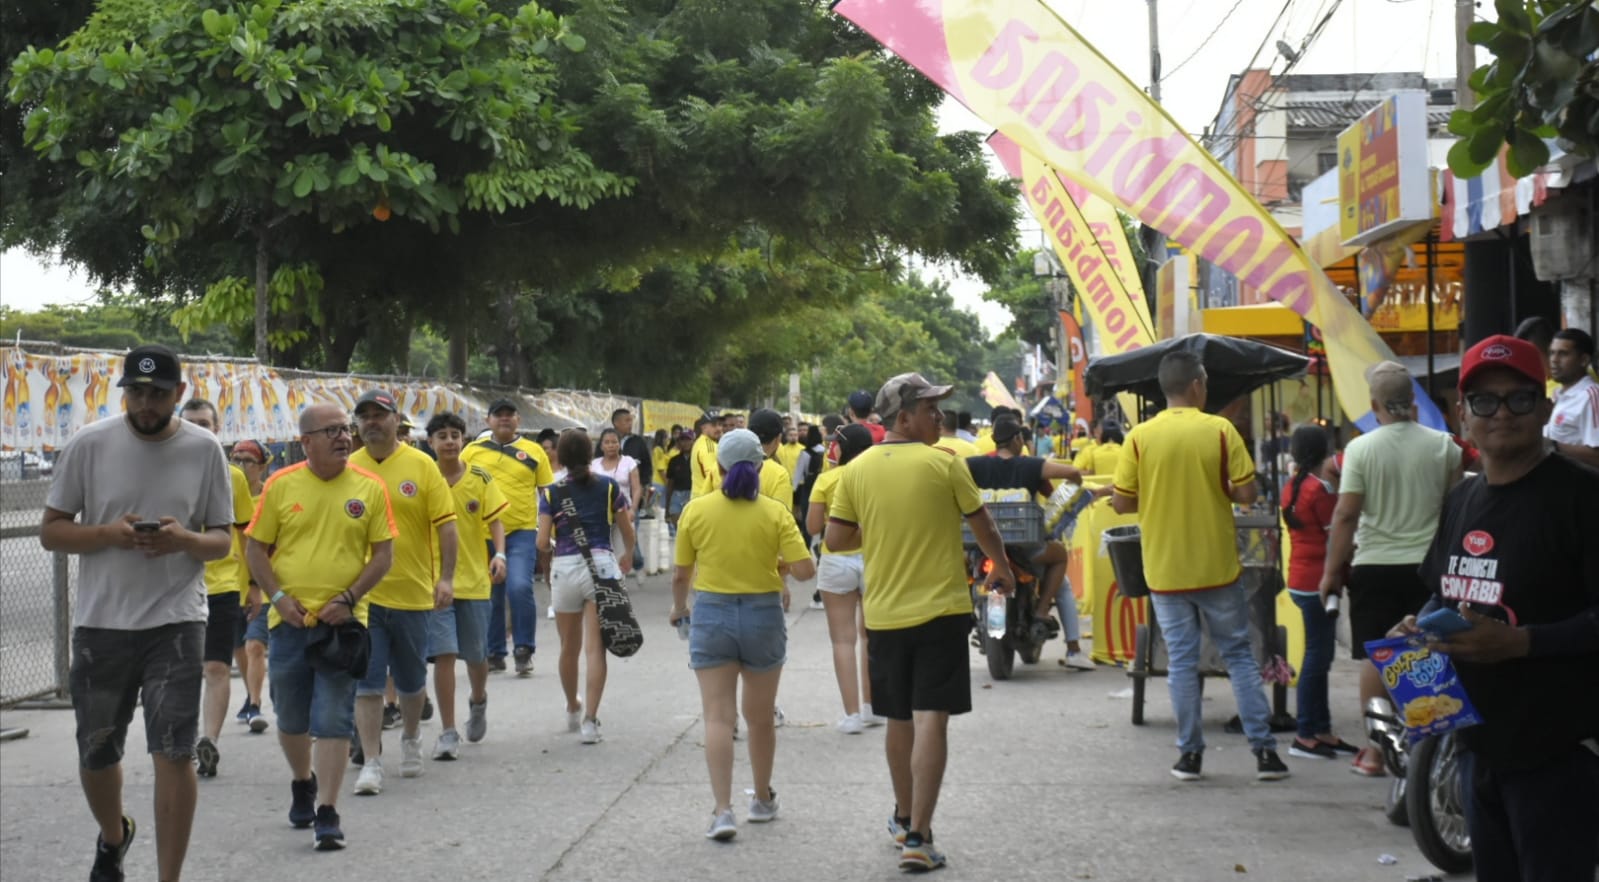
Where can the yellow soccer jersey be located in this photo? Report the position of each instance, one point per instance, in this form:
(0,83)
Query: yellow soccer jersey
(520,468)
(788,455)
(323,531)
(822,494)
(1100,459)
(707,473)
(908,500)
(736,544)
(959,446)
(777,482)
(421,501)
(229,573)
(239,544)
(1179,466)
(478,503)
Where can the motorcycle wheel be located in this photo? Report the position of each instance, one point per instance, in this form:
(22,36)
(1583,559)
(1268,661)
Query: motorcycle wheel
(1001,657)
(1395,809)
(1435,804)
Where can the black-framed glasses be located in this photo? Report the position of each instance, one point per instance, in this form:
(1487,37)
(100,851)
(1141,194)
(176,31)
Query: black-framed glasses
(333,431)
(1521,402)
(245,460)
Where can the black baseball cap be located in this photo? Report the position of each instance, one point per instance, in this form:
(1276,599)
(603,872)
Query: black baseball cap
(500,404)
(380,398)
(860,401)
(151,365)
(766,424)
(1006,428)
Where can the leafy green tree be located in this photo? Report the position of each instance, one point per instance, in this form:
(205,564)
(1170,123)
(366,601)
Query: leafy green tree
(1542,83)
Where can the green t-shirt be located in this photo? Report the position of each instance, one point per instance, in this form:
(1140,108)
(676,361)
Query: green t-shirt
(1403,470)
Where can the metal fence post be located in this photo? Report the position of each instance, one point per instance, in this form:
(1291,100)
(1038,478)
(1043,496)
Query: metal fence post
(63,624)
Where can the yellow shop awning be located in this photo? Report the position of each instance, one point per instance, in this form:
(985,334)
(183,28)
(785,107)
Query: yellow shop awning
(1258,320)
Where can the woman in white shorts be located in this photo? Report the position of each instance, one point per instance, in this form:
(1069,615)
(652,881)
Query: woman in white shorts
(600,504)
(840,578)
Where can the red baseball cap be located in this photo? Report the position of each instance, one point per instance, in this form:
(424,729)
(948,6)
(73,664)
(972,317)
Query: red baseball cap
(1504,351)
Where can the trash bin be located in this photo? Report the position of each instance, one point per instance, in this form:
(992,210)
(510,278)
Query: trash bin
(1126,549)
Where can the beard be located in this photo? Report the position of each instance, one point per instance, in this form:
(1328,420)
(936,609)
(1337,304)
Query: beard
(149,425)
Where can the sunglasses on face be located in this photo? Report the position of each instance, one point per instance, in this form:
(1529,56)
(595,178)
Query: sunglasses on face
(1520,402)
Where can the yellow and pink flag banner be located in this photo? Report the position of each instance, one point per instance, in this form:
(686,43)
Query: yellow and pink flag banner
(1027,73)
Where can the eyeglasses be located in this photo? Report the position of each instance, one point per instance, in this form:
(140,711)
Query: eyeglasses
(1521,402)
(333,431)
(245,460)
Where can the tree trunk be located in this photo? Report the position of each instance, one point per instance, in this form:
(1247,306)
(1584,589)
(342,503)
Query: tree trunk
(512,357)
(263,276)
(460,329)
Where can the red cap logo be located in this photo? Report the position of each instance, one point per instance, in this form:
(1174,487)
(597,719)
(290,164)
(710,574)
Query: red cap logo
(1496,352)
(1478,543)
(354,508)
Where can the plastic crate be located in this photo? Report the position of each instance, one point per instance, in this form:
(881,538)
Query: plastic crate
(1020,523)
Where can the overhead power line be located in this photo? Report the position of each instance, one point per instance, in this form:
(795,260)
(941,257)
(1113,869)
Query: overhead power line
(1203,43)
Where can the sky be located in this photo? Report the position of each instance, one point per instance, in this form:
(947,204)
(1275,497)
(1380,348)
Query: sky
(1210,39)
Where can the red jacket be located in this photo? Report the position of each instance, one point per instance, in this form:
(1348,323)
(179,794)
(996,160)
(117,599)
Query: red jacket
(1314,511)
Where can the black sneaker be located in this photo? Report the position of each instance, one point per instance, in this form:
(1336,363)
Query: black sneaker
(1313,750)
(328,835)
(302,808)
(357,755)
(391,716)
(1268,766)
(427,708)
(1189,766)
(243,716)
(496,664)
(108,858)
(206,757)
(524,661)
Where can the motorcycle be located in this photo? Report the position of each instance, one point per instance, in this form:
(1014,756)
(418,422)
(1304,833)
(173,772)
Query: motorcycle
(1424,792)
(1026,631)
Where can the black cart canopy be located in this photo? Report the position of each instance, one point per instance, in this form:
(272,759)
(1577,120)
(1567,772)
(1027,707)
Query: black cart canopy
(1236,367)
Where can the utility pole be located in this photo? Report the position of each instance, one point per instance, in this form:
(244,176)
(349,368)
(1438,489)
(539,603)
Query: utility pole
(1465,54)
(1154,240)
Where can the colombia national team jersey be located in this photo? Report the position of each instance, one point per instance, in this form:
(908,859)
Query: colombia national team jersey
(478,504)
(421,502)
(520,468)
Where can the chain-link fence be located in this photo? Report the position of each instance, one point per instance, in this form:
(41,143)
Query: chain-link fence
(35,600)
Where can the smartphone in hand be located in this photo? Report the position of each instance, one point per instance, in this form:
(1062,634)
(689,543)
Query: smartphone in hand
(1443,622)
(147,526)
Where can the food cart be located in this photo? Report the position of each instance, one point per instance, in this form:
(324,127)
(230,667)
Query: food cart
(1235,367)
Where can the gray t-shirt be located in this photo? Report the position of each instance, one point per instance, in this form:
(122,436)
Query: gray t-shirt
(106,472)
(1403,469)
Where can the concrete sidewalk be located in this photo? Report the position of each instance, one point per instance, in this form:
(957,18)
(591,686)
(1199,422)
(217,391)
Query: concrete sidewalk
(1047,780)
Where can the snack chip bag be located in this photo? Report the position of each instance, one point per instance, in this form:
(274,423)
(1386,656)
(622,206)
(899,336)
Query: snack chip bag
(1427,693)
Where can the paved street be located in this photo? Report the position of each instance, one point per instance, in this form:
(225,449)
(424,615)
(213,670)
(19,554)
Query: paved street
(1047,780)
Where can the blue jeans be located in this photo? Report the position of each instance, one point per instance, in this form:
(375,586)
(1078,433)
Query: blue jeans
(1315,717)
(1226,614)
(307,700)
(521,554)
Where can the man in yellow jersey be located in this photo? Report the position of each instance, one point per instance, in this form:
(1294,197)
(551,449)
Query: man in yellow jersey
(1102,457)
(776,481)
(249,651)
(223,579)
(520,467)
(421,580)
(707,474)
(321,539)
(788,453)
(462,628)
(1181,472)
(901,504)
(950,442)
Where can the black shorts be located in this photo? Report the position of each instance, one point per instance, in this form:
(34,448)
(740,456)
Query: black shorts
(1380,595)
(921,668)
(112,670)
(222,627)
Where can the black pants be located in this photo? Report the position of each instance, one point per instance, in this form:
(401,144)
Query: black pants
(1538,825)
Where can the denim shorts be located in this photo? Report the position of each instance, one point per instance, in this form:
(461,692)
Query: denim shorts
(841,573)
(460,629)
(113,669)
(256,628)
(399,647)
(307,700)
(679,498)
(741,629)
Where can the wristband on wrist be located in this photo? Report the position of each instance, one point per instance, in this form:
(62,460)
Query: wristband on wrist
(278,596)
(499,555)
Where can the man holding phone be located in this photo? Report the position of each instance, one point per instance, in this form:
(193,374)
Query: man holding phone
(145,502)
(1515,557)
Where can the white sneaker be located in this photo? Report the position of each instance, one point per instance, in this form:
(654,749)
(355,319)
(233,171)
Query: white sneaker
(370,781)
(550,613)
(574,718)
(850,725)
(590,732)
(1079,661)
(870,719)
(777,717)
(762,810)
(411,757)
(448,747)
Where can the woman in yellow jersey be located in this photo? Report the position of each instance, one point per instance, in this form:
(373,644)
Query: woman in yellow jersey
(1101,458)
(661,449)
(735,546)
(599,504)
(250,654)
(840,577)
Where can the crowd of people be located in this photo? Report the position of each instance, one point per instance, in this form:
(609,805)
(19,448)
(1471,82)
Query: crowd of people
(337,580)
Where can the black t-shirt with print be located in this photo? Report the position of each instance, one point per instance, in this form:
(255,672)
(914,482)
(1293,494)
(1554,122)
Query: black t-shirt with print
(1527,553)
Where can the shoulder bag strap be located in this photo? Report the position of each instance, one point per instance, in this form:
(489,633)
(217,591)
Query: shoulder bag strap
(563,498)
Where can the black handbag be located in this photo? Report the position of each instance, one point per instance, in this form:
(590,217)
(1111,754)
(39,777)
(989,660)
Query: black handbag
(619,630)
(339,649)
